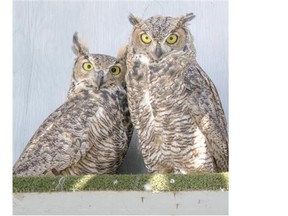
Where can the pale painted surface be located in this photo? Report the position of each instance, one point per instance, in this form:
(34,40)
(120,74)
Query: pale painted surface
(122,203)
(43,60)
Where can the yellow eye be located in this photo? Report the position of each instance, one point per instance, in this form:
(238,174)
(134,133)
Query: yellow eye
(145,38)
(115,70)
(172,38)
(87,66)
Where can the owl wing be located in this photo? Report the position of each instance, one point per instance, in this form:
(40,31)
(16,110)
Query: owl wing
(123,102)
(60,141)
(208,113)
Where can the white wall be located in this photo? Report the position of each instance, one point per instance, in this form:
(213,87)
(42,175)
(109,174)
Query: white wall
(43,60)
(121,203)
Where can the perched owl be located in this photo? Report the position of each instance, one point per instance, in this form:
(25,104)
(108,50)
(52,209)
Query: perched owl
(174,106)
(91,131)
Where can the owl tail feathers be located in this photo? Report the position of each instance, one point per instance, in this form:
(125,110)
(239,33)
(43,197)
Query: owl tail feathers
(79,46)
(122,52)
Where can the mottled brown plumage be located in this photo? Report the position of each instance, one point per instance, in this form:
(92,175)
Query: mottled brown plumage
(91,131)
(175,107)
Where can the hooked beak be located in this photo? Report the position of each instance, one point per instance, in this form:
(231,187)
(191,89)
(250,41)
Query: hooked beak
(158,51)
(100,78)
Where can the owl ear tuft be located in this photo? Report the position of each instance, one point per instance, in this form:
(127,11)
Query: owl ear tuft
(79,47)
(134,20)
(122,52)
(186,18)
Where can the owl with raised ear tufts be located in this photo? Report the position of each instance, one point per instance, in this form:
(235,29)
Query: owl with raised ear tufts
(174,105)
(91,131)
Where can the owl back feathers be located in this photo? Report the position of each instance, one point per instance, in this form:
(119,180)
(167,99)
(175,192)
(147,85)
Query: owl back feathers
(86,135)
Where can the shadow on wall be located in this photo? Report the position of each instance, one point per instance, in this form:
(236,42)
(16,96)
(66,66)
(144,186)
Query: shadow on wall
(133,156)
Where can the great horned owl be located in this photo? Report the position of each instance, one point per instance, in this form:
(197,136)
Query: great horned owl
(91,131)
(175,107)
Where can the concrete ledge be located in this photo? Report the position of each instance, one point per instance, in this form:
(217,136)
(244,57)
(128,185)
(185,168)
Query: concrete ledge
(122,202)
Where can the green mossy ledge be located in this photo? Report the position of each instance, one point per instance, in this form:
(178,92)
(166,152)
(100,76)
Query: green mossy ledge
(139,182)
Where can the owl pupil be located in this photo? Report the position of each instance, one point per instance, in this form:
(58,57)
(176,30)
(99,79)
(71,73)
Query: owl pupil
(171,38)
(88,66)
(146,38)
(113,70)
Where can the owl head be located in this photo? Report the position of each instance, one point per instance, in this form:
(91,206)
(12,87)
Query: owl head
(94,71)
(160,36)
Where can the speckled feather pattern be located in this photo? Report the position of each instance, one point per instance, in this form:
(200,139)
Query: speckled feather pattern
(89,133)
(174,105)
